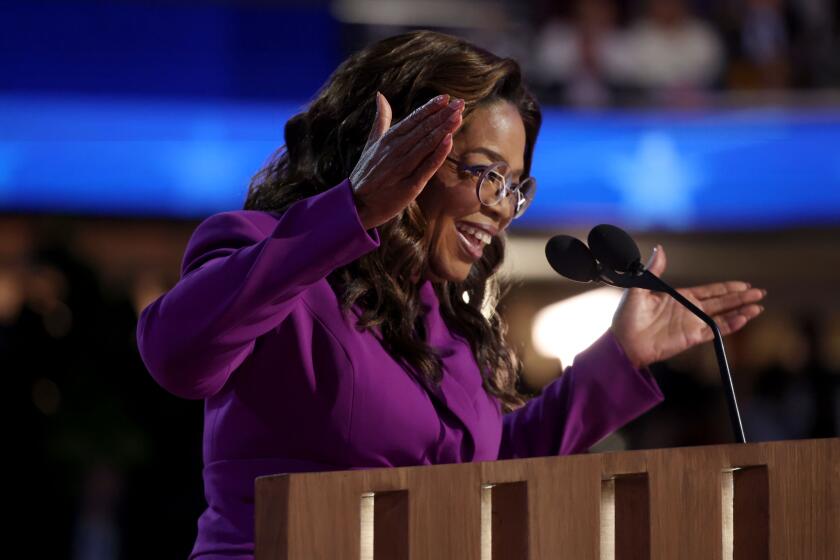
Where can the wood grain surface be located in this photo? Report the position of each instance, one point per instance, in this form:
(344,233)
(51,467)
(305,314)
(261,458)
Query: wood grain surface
(782,502)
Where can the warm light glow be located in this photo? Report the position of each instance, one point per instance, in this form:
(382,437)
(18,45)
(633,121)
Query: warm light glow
(564,329)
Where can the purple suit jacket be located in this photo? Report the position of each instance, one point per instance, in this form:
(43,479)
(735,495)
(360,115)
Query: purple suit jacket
(291,385)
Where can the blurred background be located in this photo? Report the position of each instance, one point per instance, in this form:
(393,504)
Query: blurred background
(709,126)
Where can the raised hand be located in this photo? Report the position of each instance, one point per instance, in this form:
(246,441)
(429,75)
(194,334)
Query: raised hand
(397,161)
(652,326)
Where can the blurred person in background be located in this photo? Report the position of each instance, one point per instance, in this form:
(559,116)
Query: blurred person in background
(781,45)
(587,57)
(795,394)
(814,42)
(765,46)
(79,427)
(93,437)
(347,317)
(676,56)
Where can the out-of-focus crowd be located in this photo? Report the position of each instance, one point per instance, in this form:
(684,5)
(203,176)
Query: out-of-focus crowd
(104,463)
(594,53)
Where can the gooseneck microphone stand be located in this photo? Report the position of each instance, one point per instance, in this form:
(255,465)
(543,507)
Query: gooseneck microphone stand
(639,277)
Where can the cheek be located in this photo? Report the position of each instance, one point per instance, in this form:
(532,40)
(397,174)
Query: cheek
(442,200)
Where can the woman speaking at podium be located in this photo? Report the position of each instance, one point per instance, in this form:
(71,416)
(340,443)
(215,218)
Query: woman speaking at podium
(345,319)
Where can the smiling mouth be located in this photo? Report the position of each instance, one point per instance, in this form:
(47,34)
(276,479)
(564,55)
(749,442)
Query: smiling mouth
(473,240)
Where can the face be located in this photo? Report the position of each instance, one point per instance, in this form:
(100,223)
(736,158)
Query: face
(459,227)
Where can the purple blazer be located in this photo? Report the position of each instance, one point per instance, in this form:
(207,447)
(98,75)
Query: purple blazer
(291,385)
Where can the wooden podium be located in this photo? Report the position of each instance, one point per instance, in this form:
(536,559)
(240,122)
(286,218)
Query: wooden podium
(755,501)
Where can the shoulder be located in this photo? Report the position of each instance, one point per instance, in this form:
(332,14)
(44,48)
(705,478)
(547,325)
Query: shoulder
(221,234)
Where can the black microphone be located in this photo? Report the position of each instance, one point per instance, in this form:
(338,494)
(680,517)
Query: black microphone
(613,258)
(615,249)
(569,257)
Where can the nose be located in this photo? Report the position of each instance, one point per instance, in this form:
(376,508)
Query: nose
(501,212)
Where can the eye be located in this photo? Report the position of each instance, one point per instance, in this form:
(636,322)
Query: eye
(497,179)
(475,170)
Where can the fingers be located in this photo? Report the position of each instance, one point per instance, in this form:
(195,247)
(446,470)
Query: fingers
(430,165)
(398,160)
(423,142)
(417,116)
(718,289)
(382,120)
(732,300)
(415,144)
(658,261)
(733,321)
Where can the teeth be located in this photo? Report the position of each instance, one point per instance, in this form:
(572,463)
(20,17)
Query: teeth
(479,234)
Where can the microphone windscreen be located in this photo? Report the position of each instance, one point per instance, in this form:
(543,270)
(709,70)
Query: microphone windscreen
(614,248)
(569,257)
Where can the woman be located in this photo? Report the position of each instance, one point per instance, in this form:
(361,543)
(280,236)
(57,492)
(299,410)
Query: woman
(345,319)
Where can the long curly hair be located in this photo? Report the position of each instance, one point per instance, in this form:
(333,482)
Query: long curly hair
(323,145)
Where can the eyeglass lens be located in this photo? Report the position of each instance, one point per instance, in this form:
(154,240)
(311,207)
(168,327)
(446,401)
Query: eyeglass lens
(493,189)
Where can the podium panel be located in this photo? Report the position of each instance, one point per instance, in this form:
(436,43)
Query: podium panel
(775,500)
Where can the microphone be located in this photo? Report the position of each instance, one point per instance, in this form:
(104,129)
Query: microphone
(613,258)
(613,247)
(569,257)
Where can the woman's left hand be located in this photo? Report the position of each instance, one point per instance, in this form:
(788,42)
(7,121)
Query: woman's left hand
(652,326)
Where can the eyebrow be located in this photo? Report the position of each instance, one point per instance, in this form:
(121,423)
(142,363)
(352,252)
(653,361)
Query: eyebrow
(494,156)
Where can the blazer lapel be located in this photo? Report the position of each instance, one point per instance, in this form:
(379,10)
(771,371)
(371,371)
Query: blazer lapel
(461,384)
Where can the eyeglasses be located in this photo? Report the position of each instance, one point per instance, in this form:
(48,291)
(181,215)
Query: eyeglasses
(494,185)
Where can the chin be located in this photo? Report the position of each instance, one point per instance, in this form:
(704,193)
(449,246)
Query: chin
(447,261)
(450,272)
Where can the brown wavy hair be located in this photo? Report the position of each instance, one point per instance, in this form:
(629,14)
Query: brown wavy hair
(323,145)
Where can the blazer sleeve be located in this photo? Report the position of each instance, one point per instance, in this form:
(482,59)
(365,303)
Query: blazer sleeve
(242,274)
(600,392)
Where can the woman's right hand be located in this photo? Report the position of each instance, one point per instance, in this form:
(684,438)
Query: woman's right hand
(397,161)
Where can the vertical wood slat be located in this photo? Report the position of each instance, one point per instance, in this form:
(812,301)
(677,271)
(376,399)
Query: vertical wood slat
(607,551)
(563,502)
(445,518)
(271,512)
(317,515)
(565,513)
(325,518)
(564,507)
(625,518)
(685,511)
(804,488)
(312,517)
(727,507)
(366,506)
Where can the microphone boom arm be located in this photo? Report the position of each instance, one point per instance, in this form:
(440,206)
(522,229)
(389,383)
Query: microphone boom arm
(642,278)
